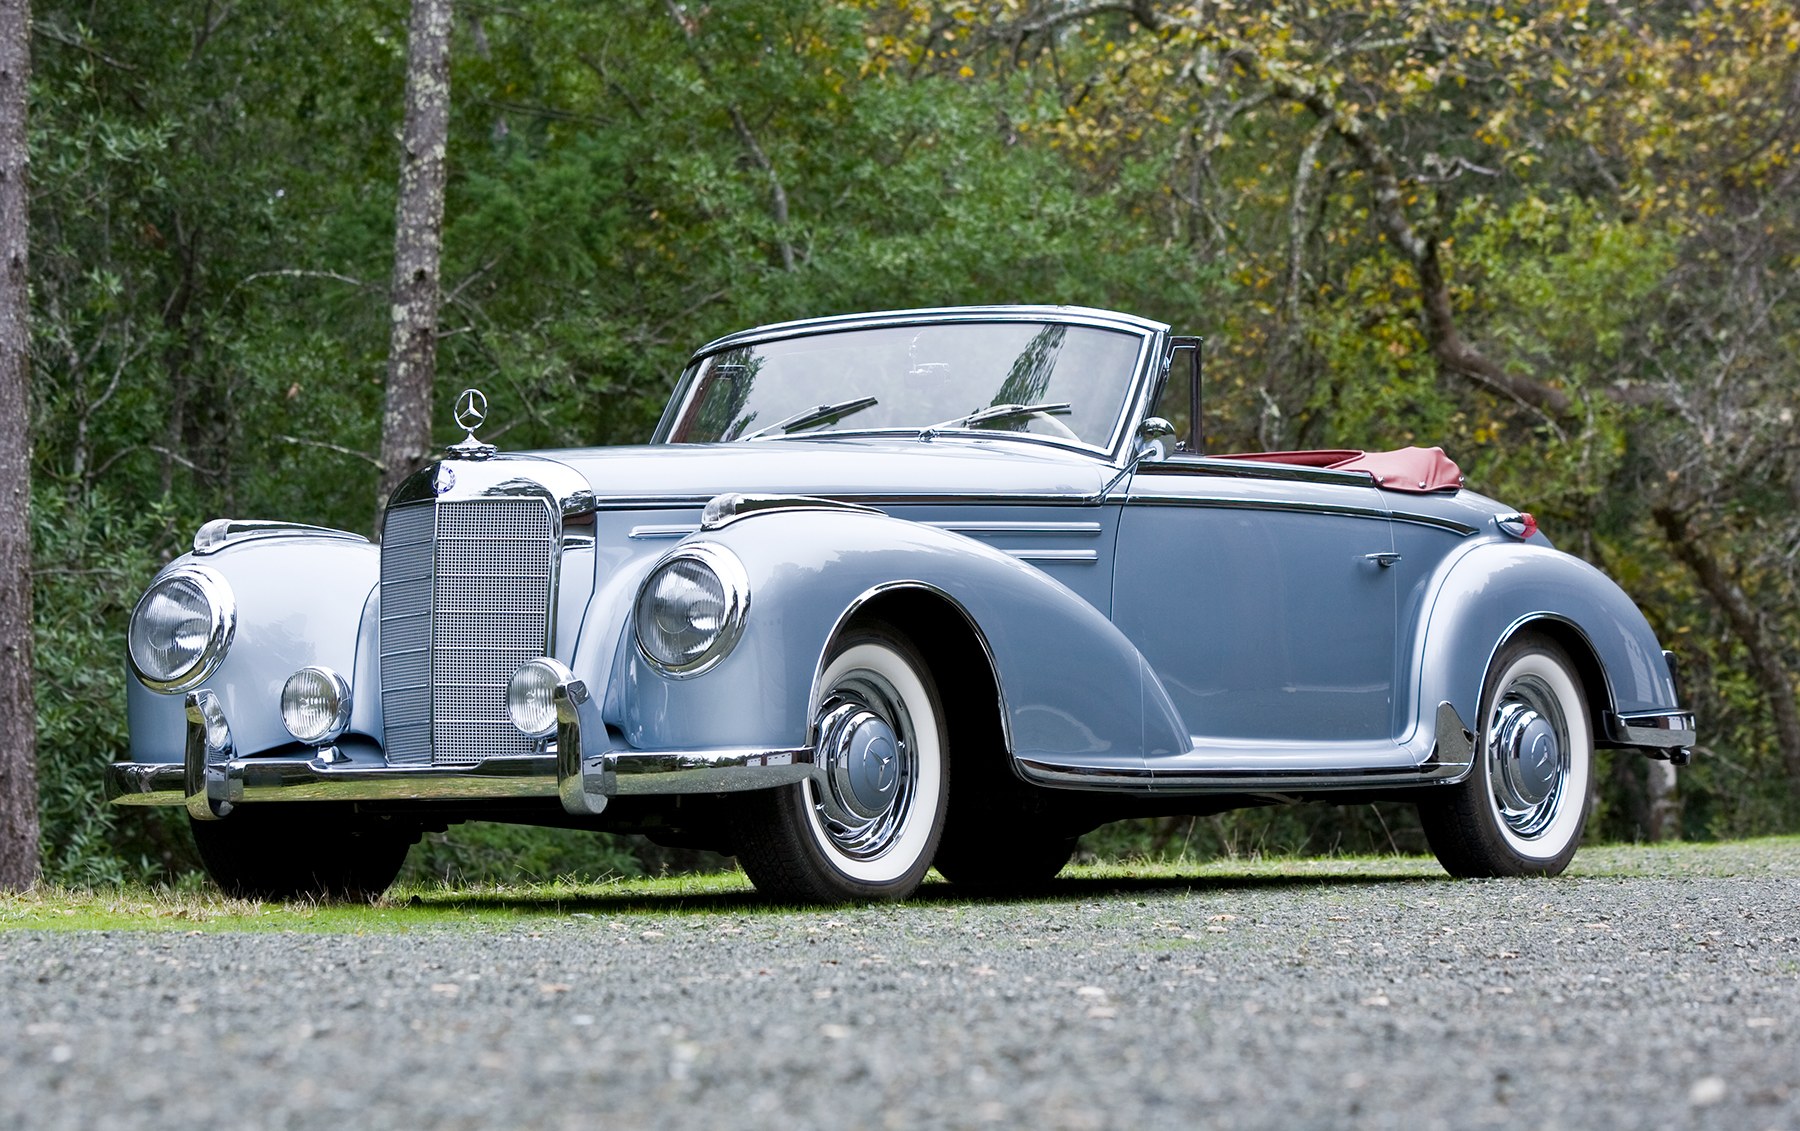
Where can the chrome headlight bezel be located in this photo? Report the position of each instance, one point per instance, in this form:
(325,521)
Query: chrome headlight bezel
(334,691)
(732,598)
(219,628)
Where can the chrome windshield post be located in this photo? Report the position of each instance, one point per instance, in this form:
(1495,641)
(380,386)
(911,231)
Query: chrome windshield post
(1196,441)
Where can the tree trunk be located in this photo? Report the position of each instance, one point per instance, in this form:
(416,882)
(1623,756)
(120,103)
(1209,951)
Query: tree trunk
(418,231)
(1660,788)
(18,713)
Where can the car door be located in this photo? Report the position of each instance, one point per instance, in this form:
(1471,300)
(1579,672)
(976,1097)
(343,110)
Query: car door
(1262,596)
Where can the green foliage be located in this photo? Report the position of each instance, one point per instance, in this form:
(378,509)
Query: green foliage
(477,854)
(92,557)
(1611,193)
(1384,828)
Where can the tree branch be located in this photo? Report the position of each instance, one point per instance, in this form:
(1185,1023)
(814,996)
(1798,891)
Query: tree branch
(1448,346)
(778,199)
(1303,174)
(58,35)
(338,448)
(1746,622)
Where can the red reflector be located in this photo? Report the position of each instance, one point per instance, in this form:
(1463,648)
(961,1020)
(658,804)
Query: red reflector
(1530,525)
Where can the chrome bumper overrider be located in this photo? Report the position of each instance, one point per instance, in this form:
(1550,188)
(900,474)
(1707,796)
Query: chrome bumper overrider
(584,772)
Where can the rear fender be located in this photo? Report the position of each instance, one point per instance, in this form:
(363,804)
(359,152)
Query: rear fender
(1492,591)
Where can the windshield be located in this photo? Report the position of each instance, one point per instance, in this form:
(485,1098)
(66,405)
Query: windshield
(1057,381)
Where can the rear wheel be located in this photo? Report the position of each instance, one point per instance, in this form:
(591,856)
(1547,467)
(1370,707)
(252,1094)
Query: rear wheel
(1521,809)
(870,827)
(278,853)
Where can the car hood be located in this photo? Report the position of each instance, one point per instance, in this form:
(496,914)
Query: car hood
(839,468)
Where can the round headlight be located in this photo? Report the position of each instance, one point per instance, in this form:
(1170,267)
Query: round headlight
(531,696)
(691,609)
(181,629)
(315,705)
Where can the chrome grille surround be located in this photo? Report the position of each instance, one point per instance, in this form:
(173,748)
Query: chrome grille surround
(468,584)
(407,575)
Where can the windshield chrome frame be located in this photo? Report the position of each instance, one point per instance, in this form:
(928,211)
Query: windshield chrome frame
(1146,368)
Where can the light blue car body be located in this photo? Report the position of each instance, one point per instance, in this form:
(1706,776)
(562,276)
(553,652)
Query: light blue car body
(1153,624)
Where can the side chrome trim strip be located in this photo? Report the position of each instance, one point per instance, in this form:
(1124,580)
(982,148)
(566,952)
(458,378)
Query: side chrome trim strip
(1050,529)
(1073,529)
(1296,505)
(1110,778)
(867,499)
(1257,469)
(1452,756)
(1084,557)
(1237,780)
(1225,503)
(732,506)
(1436,521)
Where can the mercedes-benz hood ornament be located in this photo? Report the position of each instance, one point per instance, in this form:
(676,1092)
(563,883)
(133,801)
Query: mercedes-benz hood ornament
(471,413)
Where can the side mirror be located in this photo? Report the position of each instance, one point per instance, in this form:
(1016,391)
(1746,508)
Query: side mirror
(1153,439)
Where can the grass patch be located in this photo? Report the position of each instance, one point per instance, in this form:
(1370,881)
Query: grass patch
(428,906)
(1766,856)
(405,907)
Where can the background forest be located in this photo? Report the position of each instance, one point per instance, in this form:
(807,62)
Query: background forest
(1560,239)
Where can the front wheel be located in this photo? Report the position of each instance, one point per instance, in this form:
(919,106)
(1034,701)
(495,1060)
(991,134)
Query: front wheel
(868,825)
(277,853)
(1521,809)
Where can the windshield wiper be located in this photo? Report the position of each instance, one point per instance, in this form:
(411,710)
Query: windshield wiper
(813,417)
(998,412)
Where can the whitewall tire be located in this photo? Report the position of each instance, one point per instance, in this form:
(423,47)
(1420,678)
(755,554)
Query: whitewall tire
(1521,810)
(868,825)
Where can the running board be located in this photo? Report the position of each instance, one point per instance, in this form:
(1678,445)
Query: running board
(1452,755)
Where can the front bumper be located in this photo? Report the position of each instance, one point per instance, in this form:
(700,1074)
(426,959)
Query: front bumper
(585,771)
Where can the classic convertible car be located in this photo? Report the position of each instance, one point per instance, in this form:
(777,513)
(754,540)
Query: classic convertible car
(883,592)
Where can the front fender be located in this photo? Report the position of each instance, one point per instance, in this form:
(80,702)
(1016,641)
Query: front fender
(1073,689)
(300,600)
(1493,589)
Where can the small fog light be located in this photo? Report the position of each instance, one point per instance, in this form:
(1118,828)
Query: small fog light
(315,705)
(531,696)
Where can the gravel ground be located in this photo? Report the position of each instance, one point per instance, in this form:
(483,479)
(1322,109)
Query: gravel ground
(1402,1002)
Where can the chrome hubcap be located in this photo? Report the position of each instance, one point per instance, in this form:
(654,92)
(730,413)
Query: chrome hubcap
(869,765)
(1528,756)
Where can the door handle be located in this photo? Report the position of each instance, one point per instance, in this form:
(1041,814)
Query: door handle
(1384,559)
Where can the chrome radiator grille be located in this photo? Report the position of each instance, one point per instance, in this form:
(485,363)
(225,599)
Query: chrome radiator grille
(465,599)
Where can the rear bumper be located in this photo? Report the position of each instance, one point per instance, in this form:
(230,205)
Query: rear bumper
(1660,734)
(212,779)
